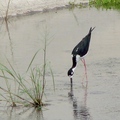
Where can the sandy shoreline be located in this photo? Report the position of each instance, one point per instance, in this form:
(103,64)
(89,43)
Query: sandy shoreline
(20,7)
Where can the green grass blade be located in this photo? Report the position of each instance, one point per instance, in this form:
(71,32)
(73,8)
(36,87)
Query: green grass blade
(52,77)
(12,68)
(32,61)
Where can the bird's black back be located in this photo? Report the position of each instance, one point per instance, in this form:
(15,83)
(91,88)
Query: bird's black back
(82,47)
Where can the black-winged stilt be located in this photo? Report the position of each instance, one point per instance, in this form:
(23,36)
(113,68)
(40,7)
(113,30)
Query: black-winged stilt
(80,51)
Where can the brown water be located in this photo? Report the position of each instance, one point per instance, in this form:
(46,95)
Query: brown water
(97,99)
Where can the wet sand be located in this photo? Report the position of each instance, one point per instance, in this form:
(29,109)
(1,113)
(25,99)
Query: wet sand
(97,99)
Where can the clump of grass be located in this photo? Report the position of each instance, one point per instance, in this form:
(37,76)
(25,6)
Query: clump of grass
(78,5)
(29,88)
(107,4)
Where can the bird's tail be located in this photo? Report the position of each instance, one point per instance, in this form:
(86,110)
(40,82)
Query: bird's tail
(91,29)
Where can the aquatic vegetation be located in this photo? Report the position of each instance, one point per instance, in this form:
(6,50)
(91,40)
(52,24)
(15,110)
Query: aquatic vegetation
(78,5)
(107,4)
(27,89)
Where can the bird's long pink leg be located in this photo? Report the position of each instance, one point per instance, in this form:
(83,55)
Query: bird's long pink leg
(83,60)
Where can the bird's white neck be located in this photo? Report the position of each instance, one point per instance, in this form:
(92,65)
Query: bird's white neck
(73,69)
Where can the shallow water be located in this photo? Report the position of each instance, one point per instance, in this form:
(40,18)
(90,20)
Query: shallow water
(97,99)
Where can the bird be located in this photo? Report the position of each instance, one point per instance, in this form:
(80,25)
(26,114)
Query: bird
(79,52)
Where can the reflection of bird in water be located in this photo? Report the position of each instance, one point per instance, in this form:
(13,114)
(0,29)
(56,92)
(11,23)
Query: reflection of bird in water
(80,111)
(80,51)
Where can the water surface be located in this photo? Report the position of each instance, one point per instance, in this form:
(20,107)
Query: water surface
(97,99)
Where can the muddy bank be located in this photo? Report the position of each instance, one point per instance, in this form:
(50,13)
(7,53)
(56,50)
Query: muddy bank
(19,7)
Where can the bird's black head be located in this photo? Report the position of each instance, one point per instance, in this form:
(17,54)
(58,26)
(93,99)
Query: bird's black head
(70,72)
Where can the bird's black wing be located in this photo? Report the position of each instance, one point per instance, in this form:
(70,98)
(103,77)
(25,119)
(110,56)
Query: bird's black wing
(82,47)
